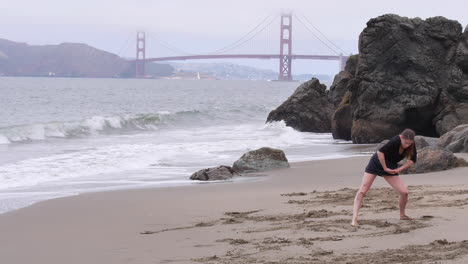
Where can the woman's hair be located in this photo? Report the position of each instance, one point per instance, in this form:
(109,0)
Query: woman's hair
(409,134)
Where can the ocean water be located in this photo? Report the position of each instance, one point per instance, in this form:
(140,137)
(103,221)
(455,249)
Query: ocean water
(65,136)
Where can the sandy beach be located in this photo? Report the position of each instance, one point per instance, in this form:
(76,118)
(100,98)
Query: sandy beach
(297,215)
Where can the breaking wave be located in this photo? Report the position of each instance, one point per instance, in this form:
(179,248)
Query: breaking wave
(96,125)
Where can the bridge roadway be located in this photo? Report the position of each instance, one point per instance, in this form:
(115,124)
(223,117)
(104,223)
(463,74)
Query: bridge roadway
(246,56)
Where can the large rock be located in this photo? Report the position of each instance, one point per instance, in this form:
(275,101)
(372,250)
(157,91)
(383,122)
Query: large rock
(422,142)
(307,109)
(460,92)
(212,174)
(433,159)
(456,140)
(408,73)
(338,87)
(342,119)
(339,95)
(340,82)
(260,160)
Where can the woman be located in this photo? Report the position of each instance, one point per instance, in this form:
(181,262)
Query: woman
(384,163)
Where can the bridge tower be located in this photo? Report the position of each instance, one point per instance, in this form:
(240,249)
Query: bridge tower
(140,55)
(285,48)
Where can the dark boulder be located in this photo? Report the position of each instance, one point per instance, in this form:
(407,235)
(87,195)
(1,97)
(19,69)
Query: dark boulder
(404,65)
(342,119)
(212,174)
(260,160)
(340,82)
(422,142)
(307,109)
(459,91)
(433,159)
(406,77)
(456,140)
(338,87)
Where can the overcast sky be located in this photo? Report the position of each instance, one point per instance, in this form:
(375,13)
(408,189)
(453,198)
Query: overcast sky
(202,26)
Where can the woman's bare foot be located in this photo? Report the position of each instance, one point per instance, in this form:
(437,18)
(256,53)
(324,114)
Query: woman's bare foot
(405,217)
(354,223)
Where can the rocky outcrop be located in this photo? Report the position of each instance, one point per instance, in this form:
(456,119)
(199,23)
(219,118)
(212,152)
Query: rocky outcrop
(260,160)
(460,93)
(342,119)
(339,95)
(433,159)
(212,174)
(456,140)
(340,82)
(410,73)
(307,109)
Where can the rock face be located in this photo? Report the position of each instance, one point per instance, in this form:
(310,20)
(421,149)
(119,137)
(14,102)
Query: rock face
(340,82)
(260,160)
(456,140)
(307,109)
(433,159)
(341,120)
(460,93)
(212,174)
(410,73)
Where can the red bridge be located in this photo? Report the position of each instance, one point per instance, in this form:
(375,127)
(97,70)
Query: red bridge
(285,57)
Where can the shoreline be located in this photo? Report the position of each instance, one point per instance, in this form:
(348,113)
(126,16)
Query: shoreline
(241,222)
(177,182)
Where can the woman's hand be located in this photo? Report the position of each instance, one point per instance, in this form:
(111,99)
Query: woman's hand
(408,164)
(391,171)
(404,167)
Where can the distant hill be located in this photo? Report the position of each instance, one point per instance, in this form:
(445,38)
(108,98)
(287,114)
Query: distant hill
(66,59)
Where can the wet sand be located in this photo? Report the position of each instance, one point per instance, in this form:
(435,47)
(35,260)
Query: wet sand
(296,215)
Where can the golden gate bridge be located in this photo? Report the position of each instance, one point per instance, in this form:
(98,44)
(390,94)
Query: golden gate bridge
(285,55)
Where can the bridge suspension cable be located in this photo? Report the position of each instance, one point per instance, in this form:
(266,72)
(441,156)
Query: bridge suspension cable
(124,47)
(255,31)
(320,32)
(167,45)
(251,34)
(319,39)
(246,37)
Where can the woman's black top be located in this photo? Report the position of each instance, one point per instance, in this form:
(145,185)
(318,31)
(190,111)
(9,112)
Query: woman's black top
(392,156)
